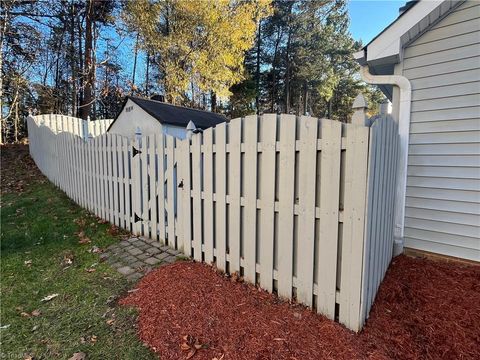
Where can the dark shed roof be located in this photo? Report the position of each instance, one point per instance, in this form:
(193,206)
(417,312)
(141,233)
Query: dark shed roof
(176,115)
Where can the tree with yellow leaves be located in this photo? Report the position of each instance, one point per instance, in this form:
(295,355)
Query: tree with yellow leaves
(198,44)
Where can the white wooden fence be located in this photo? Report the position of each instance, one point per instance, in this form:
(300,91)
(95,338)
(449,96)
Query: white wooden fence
(302,206)
(73,125)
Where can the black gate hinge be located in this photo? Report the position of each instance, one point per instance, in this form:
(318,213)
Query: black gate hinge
(135,151)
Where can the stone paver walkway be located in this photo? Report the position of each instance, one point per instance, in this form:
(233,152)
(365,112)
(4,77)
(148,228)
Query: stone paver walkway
(136,256)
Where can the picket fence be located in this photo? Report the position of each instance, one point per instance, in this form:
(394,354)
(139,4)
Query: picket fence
(299,205)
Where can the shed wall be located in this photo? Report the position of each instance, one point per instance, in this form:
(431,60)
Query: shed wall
(128,121)
(442,212)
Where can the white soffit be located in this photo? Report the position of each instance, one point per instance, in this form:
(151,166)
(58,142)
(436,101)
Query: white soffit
(407,28)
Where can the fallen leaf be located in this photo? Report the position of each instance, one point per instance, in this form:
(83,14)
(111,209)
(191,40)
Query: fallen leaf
(84,240)
(90,270)
(36,313)
(35,328)
(28,263)
(25,314)
(95,250)
(49,297)
(191,354)
(78,356)
(185,347)
(110,321)
(93,339)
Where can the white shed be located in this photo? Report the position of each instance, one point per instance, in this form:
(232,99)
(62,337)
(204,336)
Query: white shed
(428,63)
(156,117)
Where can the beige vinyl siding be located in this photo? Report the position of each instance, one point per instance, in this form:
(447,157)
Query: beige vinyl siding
(442,211)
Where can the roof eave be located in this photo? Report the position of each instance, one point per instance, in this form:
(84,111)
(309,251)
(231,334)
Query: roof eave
(408,27)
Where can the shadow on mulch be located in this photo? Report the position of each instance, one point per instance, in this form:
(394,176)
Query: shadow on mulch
(424,310)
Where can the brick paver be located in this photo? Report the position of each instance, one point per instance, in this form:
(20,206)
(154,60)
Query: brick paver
(134,257)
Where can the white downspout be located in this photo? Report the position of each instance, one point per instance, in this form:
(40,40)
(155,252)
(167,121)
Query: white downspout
(404,131)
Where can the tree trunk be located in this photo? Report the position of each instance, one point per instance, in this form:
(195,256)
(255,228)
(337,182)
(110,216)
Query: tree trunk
(257,71)
(80,66)
(213,100)
(134,64)
(58,99)
(305,97)
(2,37)
(287,77)
(94,70)
(73,60)
(274,71)
(15,124)
(88,70)
(147,85)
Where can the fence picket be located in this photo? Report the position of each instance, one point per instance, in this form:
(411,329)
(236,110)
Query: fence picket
(153,186)
(136,187)
(353,228)
(220,195)
(116,211)
(128,184)
(306,202)
(184,169)
(144,186)
(171,190)
(208,190)
(103,180)
(161,187)
(329,206)
(234,183)
(197,196)
(286,204)
(122,177)
(267,199)
(250,195)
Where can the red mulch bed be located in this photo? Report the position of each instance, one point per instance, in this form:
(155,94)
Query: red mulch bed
(424,310)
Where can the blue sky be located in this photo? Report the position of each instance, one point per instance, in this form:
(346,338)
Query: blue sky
(368,18)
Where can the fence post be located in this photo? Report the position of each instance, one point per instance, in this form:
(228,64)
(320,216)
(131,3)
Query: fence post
(360,107)
(190,129)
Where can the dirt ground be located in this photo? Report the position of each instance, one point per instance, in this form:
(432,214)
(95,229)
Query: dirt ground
(423,310)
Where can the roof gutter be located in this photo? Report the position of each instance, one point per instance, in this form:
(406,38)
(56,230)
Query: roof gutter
(404,131)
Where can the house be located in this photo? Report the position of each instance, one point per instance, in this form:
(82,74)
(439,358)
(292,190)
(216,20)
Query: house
(156,117)
(427,62)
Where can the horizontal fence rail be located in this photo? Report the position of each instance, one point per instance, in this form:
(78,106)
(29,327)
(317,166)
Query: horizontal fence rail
(299,205)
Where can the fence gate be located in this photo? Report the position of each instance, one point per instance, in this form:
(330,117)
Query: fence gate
(154,188)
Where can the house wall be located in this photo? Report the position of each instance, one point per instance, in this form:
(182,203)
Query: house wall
(133,116)
(442,212)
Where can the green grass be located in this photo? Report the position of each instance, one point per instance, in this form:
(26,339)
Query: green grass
(41,225)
